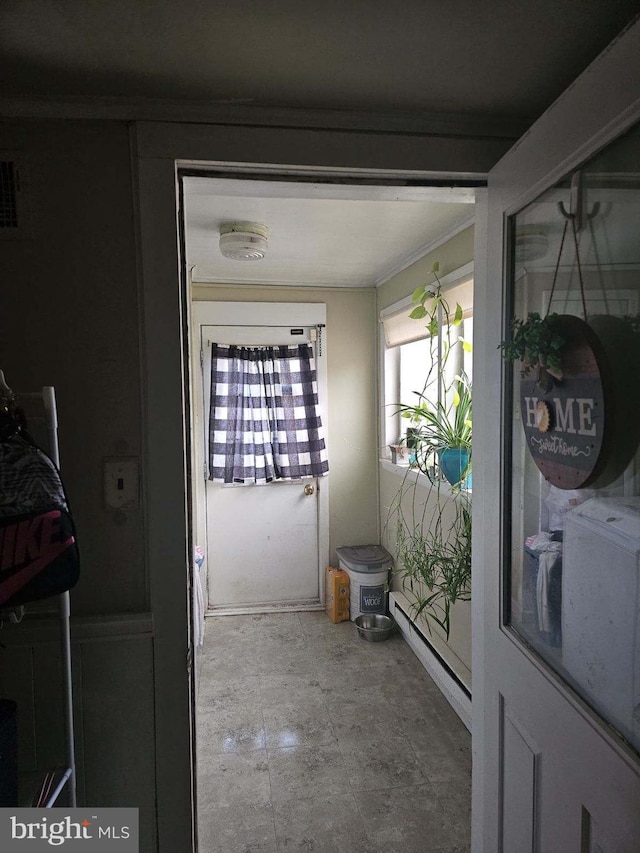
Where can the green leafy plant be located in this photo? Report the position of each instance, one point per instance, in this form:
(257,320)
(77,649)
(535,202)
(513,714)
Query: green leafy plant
(433,544)
(434,307)
(536,342)
(435,560)
(446,422)
(423,294)
(440,426)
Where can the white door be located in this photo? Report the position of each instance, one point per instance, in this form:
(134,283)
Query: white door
(556,764)
(266,545)
(262,539)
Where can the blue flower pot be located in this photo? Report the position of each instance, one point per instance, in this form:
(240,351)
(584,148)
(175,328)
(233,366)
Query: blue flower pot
(454,461)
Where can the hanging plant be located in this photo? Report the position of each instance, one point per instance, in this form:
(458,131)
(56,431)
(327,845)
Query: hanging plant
(540,341)
(573,409)
(537,342)
(435,560)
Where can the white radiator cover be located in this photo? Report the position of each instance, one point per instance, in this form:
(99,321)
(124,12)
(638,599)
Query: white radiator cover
(418,640)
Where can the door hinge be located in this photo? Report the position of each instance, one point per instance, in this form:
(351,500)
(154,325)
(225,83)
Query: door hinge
(202,358)
(204,471)
(189,660)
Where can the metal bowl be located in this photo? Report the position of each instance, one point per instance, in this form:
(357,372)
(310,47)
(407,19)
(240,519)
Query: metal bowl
(374,627)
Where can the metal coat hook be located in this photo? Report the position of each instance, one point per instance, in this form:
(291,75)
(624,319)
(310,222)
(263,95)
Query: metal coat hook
(576,210)
(7,397)
(5,391)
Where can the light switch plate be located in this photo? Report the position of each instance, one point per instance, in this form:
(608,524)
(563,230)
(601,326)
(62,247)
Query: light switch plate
(121,481)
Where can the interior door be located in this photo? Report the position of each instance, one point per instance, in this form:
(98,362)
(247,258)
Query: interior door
(557,703)
(262,540)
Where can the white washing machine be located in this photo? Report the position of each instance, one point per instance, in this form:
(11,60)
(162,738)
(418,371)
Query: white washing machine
(601,608)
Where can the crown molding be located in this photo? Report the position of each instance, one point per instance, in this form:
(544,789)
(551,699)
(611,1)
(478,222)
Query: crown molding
(141,109)
(423,250)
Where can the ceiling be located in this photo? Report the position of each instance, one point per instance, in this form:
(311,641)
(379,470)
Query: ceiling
(319,234)
(490,65)
(486,57)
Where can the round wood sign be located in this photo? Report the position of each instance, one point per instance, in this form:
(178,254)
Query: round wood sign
(566,420)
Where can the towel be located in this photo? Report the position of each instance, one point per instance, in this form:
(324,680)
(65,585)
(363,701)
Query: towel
(548,552)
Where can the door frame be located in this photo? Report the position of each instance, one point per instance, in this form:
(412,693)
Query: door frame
(594,111)
(223,313)
(159,151)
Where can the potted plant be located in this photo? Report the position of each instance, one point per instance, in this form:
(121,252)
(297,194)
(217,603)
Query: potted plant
(400,454)
(442,433)
(538,343)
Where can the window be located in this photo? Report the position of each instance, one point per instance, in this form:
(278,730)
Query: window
(416,357)
(572,522)
(418,365)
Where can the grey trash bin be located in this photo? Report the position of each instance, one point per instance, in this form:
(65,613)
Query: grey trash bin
(368,569)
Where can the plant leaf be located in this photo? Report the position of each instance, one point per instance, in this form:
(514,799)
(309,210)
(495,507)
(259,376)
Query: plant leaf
(418,313)
(418,294)
(467,346)
(457,317)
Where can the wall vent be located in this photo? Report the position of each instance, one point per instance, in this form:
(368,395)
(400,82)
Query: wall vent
(14,212)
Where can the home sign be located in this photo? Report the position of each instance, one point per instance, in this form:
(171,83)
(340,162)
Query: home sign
(565,419)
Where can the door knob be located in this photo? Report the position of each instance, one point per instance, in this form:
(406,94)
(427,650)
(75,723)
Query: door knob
(308,489)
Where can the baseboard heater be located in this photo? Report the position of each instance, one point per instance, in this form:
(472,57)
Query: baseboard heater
(450,684)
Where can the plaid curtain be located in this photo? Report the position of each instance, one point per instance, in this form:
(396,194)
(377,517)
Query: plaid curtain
(264,422)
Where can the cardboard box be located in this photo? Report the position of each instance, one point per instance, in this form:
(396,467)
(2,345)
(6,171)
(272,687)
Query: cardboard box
(337,594)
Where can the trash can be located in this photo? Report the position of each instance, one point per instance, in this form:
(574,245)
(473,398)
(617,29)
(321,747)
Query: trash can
(368,569)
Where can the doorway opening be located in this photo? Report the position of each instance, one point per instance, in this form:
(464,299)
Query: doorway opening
(335,242)
(270,685)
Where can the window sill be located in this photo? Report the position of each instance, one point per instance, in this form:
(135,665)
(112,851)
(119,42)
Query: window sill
(407,475)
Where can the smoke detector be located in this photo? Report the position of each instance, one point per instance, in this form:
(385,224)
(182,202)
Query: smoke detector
(243,241)
(532,243)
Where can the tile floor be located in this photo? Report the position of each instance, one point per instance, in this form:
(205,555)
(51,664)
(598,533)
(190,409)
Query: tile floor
(311,739)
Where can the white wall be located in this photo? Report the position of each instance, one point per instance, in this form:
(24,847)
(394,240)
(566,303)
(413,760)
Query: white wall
(452,255)
(69,318)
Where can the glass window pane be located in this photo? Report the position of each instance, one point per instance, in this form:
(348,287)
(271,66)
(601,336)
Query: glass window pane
(415,360)
(417,376)
(467,334)
(573,541)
